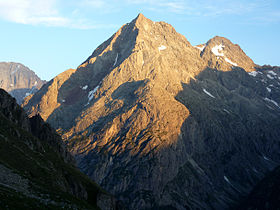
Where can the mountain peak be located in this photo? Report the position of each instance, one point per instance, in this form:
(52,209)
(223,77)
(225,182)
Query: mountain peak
(18,80)
(147,101)
(140,17)
(223,54)
(141,22)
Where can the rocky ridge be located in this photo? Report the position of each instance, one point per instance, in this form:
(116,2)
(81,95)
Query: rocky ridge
(19,80)
(161,123)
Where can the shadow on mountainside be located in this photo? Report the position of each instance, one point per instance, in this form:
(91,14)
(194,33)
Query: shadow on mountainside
(231,138)
(20,93)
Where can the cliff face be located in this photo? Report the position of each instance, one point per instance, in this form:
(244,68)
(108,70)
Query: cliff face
(18,80)
(161,123)
(36,171)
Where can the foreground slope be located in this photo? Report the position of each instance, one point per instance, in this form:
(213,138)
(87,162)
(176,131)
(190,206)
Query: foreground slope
(161,123)
(18,80)
(36,171)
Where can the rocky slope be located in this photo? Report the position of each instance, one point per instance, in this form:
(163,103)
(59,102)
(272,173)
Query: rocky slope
(36,170)
(163,124)
(18,80)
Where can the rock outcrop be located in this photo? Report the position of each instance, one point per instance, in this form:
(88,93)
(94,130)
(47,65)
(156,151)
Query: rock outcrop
(19,80)
(163,124)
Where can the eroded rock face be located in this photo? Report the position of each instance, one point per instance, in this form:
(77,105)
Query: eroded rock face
(160,123)
(18,80)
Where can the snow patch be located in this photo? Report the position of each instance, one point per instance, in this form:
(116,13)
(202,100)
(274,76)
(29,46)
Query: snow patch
(229,61)
(91,94)
(269,76)
(116,59)
(200,48)
(85,87)
(253,73)
(209,94)
(272,72)
(226,111)
(216,50)
(264,157)
(272,101)
(226,179)
(162,47)
(268,89)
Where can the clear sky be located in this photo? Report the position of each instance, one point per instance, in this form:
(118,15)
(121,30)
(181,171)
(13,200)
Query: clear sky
(50,36)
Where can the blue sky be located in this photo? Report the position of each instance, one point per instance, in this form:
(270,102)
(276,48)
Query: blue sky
(50,36)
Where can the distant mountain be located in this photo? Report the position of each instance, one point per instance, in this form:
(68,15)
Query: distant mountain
(163,124)
(18,80)
(36,171)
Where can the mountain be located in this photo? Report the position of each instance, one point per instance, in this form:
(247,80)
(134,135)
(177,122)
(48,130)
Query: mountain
(18,80)
(160,123)
(36,170)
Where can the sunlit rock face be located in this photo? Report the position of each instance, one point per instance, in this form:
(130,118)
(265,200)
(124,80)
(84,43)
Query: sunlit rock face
(164,124)
(18,80)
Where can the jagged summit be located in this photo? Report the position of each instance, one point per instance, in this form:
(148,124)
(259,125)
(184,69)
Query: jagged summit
(141,32)
(153,119)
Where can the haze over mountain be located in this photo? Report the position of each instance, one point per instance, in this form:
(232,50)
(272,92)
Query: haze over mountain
(161,123)
(18,80)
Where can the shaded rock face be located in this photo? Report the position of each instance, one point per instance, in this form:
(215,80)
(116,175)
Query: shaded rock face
(36,170)
(43,130)
(35,125)
(18,80)
(265,194)
(163,124)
